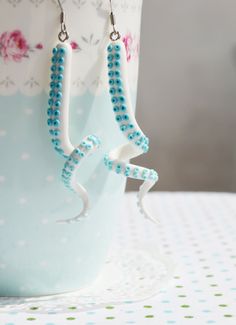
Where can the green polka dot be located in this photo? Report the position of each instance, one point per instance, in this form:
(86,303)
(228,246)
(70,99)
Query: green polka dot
(71,318)
(214,285)
(185,306)
(209,276)
(223,305)
(110,317)
(34,308)
(228,316)
(72,308)
(218,294)
(147,306)
(149,316)
(188,317)
(182,296)
(110,307)
(179,286)
(31,318)
(176,277)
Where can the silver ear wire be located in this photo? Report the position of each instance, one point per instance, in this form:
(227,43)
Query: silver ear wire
(63,35)
(115,34)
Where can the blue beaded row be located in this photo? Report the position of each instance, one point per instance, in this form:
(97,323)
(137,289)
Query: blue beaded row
(118,99)
(76,156)
(129,170)
(55,97)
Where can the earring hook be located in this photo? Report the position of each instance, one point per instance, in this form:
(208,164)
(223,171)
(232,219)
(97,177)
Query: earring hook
(63,35)
(115,34)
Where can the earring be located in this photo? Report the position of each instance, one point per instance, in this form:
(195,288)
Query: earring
(58,119)
(117,159)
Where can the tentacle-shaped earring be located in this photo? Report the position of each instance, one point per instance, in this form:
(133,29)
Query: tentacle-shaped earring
(58,119)
(117,159)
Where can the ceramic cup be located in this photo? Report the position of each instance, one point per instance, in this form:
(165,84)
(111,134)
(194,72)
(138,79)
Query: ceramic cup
(37,255)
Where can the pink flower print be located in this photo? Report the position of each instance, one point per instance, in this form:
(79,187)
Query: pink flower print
(39,46)
(13,46)
(128,41)
(75,46)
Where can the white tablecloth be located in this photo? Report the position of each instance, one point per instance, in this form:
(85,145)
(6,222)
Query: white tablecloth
(198,233)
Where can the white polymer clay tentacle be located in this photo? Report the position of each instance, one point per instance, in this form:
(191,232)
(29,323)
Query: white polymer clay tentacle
(58,122)
(117,160)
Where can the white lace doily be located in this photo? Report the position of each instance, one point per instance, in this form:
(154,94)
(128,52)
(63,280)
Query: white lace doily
(128,275)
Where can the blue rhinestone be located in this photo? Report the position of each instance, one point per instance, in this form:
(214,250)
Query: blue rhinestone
(118,169)
(51,93)
(58,103)
(62,51)
(145,148)
(137,133)
(117,56)
(51,132)
(60,68)
(53,76)
(59,95)
(54,59)
(116,109)
(112,91)
(118,82)
(123,108)
(57,132)
(50,102)
(58,85)
(60,77)
(110,57)
(52,84)
(50,112)
(138,143)
(110,48)
(117,64)
(111,74)
(117,74)
(114,100)
(118,118)
(130,136)
(56,122)
(145,174)
(131,126)
(127,171)
(57,142)
(117,48)
(125,117)
(111,82)
(122,99)
(123,128)
(135,172)
(53,68)
(61,60)
(50,122)
(54,50)
(120,90)
(110,164)
(57,112)
(110,65)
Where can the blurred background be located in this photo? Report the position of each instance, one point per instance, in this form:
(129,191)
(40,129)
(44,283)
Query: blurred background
(187,93)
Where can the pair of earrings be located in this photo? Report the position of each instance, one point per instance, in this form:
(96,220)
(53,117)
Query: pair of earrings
(117,160)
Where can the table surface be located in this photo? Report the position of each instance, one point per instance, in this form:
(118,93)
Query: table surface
(198,232)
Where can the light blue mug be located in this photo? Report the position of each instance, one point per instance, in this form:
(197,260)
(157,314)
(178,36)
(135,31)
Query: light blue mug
(37,255)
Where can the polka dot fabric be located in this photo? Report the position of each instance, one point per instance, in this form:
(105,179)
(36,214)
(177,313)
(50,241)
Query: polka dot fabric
(198,232)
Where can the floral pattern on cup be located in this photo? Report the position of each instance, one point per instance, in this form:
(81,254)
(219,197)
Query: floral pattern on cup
(132,46)
(14,46)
